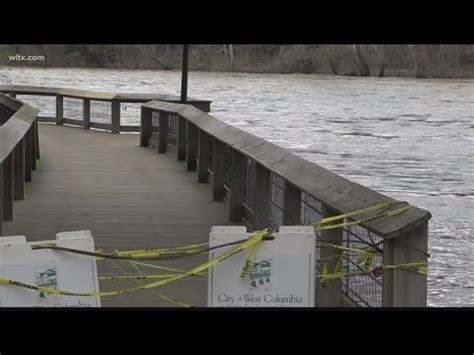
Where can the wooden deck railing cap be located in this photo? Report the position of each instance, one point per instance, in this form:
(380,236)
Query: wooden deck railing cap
(94,95)
(15,128)
(132,97)
(30,90)
(10,102)
(334,191)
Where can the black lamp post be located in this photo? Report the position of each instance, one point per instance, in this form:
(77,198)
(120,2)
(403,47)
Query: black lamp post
(184,76)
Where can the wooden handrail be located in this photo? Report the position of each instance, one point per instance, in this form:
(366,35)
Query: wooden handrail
(19,149)
(334,191)
(93,95)
(15,128)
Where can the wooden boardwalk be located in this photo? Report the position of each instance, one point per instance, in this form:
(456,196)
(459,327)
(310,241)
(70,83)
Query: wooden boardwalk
(128,196)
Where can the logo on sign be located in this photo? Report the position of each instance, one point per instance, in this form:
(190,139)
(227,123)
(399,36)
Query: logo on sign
(46,277)
(260,275)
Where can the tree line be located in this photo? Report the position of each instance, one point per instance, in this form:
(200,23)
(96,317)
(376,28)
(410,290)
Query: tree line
(420,61)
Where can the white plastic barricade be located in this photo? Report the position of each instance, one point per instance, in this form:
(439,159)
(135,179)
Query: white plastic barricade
(281,275)
(49,268)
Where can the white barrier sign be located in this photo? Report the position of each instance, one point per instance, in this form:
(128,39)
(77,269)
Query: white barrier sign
(281,275)
(49,268)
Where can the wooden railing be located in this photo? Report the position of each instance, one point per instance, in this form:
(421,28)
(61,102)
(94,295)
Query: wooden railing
(263,185)
(267,185)
(112,111)
(19,150)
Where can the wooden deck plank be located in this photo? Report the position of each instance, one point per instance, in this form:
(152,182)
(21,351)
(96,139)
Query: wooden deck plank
(128,196)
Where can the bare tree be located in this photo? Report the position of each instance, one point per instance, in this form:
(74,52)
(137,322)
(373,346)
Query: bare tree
(419,60)
(229,53)
(380,52)
(151,52)
(329,52)
(361,62)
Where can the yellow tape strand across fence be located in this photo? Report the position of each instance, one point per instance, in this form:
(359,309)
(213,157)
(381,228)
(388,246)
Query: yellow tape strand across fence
(255,238)
(252,243)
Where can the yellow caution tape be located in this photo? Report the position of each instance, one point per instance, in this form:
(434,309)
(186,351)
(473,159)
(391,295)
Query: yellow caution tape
(250,258)
(366,258)
(419,267)
(255,238)
(339,266)
(185,247)
(327,223)
(158,267)
(343,248)
(166,298)
(136,277)
(322,224)
(150,253)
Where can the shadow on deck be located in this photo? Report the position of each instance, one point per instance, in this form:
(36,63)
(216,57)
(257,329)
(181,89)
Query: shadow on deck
(128,197)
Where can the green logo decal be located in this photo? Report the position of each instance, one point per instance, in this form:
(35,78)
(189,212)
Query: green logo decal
(47,277)
(261,275)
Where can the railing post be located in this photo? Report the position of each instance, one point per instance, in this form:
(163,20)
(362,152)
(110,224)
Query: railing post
(409,288)
(181,138)
(19,170)
(203,173)
(218,191)
(33,146)
(146,126)
(262,197)
(59,109)
(192,139)
(1,199)
(37,139)
(8,188)
(387,280)
(203,106)
(237,185)
(28,154)
(162,132)
(329,292)
(291,205)
(115,116)
(86,113)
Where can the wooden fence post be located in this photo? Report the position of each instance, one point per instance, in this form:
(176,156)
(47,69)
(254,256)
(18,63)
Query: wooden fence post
(8,188)
(19,170)
(115,116)
(162,132)
(262,197)
(409,289)
(203,173)
(59,109)
(86,113)
(33,146)
(37,139)
(218,190)
(237,185)
(146,126)
(28,154)
(292,205)
(181,138)
(192,139)
(329,292)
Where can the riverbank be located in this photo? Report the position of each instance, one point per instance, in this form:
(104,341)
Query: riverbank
(418,61)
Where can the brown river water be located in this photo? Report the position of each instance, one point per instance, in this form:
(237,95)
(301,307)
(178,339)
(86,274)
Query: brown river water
(407,138)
